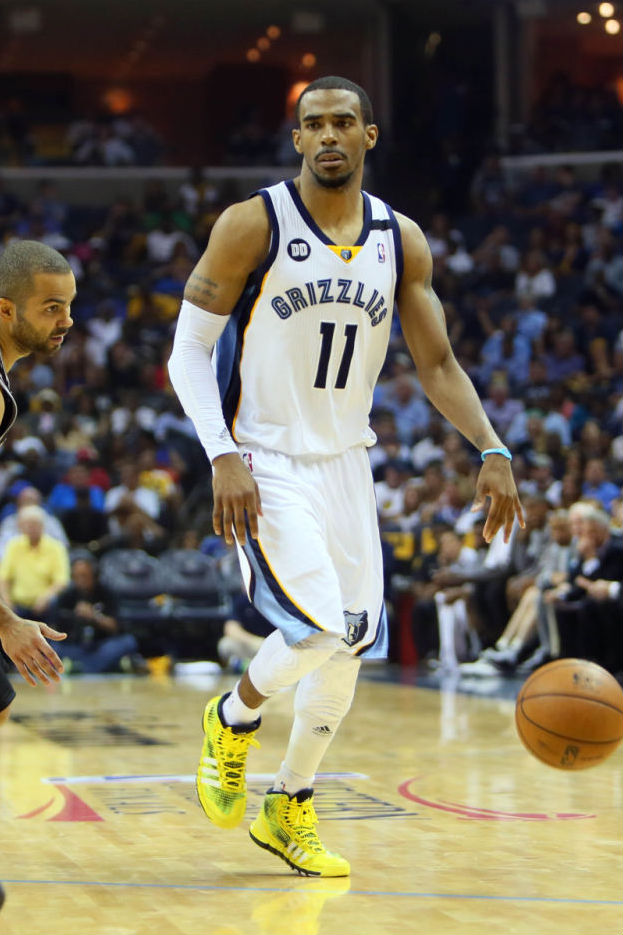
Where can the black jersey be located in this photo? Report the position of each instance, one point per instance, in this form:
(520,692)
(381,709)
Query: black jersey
(10,406)
(7,692)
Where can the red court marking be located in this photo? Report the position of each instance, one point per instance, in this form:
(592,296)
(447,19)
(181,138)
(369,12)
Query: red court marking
(483,814)
(37,811)
(73,808)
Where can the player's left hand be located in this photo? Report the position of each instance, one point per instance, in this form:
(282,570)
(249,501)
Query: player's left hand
(496,481)
(23,642)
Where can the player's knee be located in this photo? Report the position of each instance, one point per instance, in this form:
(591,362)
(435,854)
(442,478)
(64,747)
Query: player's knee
(328,693)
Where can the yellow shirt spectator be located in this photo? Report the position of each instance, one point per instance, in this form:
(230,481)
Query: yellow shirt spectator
(30,572)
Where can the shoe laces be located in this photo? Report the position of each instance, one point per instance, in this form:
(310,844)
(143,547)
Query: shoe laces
(234,748)
(301,818)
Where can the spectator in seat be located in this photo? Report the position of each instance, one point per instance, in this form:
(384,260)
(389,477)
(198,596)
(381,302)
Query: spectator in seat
(499,406)
(597,486)
(64,494)
(9,527)
(131,492)
(86,610)
(590,628)
(390,491)
(535,279)
(84,525)
(551,569)
(564,361)
(34,568)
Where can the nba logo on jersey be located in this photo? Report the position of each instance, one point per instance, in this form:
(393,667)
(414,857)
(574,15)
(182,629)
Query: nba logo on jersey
(356,626)
(346,254)
(298,249)
(380,250)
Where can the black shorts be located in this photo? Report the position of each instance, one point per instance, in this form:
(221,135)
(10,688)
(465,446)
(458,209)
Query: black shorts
(7,692)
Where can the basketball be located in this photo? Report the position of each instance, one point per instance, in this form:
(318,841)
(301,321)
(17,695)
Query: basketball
(569,714)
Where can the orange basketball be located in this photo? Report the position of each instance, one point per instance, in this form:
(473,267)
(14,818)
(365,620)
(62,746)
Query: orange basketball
(569,714)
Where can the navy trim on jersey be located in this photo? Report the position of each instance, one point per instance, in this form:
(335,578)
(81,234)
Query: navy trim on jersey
(320,234)
(397,248)
(274,230)
(377,649)
(275,588)
(229,346)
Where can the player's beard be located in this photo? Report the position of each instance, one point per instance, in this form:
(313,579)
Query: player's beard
(335,181)
(29,341)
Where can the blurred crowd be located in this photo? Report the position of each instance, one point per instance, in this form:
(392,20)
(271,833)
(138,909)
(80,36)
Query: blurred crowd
(569,117)
(127,140)
(531,279)
(89,139)
(531,282)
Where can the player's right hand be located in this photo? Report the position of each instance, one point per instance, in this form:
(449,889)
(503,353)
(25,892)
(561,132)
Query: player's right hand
(236,495)
(23,642)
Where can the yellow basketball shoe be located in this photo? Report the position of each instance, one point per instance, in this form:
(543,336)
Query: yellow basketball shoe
(285,827)
(221,785)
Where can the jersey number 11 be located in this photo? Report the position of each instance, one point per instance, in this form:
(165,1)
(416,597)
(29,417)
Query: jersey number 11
(327,330)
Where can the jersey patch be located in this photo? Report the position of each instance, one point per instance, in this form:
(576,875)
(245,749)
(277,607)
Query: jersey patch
(298,249)
(344,253)
(356,626)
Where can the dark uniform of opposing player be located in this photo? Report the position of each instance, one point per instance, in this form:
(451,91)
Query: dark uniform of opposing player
(7,692)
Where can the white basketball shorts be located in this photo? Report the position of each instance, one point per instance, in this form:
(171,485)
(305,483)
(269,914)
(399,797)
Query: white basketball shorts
(317,563)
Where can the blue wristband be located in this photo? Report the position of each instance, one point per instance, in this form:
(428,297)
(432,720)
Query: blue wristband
(496,451)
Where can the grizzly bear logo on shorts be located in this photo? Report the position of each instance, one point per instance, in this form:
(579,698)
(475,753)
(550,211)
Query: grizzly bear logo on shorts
(356,626)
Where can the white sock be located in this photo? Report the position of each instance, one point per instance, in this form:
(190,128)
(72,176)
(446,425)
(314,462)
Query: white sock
(236,712)
(288,781)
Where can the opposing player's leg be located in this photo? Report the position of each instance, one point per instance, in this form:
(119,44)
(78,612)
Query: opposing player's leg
(286,826)
(7,694)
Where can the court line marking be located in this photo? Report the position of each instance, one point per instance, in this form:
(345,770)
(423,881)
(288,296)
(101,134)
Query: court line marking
(187,777)
(274,889)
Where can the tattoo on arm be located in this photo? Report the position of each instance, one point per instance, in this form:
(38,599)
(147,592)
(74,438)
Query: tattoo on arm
(200,289)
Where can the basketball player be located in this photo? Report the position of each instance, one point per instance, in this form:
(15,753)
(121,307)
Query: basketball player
(298,285)
(37,288)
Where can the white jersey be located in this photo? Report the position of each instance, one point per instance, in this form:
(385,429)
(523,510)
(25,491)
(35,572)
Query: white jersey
(303,349)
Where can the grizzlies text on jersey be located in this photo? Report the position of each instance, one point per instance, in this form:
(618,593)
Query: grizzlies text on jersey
(302,351)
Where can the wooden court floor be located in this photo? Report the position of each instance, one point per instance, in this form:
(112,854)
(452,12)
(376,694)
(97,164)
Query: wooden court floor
(449,825)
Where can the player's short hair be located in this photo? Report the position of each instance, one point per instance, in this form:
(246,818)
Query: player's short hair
(331,83)
(20,261)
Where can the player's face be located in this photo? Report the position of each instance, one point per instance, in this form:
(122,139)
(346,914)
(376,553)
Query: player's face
(332,137)
(43,319)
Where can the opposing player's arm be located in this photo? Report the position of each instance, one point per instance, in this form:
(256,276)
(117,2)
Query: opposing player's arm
(239,243)
(24,640)
(446,384)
